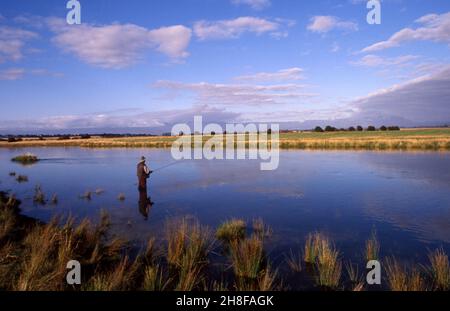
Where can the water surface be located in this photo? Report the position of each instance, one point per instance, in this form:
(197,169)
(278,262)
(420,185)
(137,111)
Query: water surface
(405,197)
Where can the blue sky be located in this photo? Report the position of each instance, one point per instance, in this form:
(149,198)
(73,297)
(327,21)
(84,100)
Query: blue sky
(154,63)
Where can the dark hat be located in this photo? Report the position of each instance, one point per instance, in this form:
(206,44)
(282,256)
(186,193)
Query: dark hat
(142,159)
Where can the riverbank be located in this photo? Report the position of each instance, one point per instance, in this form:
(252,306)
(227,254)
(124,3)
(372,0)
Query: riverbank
(405,139)
(33,256)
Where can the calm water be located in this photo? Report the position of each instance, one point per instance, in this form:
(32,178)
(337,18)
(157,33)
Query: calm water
(404,196)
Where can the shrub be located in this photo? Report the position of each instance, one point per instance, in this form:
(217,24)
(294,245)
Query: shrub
(318,129)
(371,128)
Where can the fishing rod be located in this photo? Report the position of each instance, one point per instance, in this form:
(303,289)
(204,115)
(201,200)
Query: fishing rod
(167,166)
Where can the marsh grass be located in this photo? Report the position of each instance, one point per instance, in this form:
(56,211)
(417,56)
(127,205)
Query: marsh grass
(247,257)
(39,196)
(261,229)
(86,196)
(54,199)
(328,264)
(372,247)
(440,269)
(312,245)
(121,197)
(33,256)
(99,191)
(26,159)
(403,278)
(188,246)
(22,178)
(294,261)
(231,230)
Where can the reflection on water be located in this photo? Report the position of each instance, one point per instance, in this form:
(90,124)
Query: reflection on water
(404,196)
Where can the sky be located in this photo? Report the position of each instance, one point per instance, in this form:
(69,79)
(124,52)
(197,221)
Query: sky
(151,64)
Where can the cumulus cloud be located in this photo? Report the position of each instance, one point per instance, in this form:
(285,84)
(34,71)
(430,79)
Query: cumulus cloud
(423,100)
(12,74)
(324,24)
(12,42)
(119,45)
(234,28)
(434,28)
(237,94)
(378,61)
(254,4)
(289,74)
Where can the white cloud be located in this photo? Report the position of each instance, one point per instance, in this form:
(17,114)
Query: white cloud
(12,74)
(423,100)
(323,24)
(119,45)
(434,28)
(234,28)
(12,43)
(335,47)
(254,4)
(290,74)
(111,120)
(378,61)
(237,94)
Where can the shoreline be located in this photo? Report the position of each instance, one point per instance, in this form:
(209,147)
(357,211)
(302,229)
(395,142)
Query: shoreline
(404,140)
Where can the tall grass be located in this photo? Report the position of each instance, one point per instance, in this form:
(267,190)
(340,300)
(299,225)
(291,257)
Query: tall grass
(372,247)
(294,261)
(312,245)
(402,278)
(231,230)
(440,269)
(328,264)
(247,257)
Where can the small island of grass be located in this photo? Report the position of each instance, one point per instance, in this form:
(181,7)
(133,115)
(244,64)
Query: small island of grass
(26,159)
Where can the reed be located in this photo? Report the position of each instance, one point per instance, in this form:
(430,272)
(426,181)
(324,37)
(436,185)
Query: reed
(440,269)
(54,199)
(154,279)
(99,191)
(402,278)
(294,261)
(39,196)
(247,257)
(372,247)
(328,264)
(261,229)
(312,244)
(121,197)
(22,178)
(86,196)
(231,230)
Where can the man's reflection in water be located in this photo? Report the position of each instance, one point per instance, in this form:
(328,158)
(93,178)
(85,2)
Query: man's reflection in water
(145,203)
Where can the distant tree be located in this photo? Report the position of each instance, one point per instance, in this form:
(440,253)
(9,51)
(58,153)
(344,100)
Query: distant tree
(359,128)
(318,129)
(181,133)
(383,128)
(351,129)
(394,128)
(371,128)
(85,136)
(342,129)
(213,133)
(329,128)
(269,131)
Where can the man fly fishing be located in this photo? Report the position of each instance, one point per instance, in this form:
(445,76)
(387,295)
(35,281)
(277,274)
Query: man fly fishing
(143,173)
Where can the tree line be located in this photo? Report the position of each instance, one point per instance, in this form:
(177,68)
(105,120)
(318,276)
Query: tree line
(358,128)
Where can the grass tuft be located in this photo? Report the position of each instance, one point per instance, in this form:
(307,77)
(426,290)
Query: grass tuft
(231,230)
(26,159)
(440,269)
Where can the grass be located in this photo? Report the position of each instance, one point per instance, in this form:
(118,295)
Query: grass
(328,264)
(406,139)
(22,178)
(39,196)
(121,197)
(231,230)
(440,269)
(372,247)
(312,245)
(25,159)
(247,257)
(294,261)
(33,256)
(402,278)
